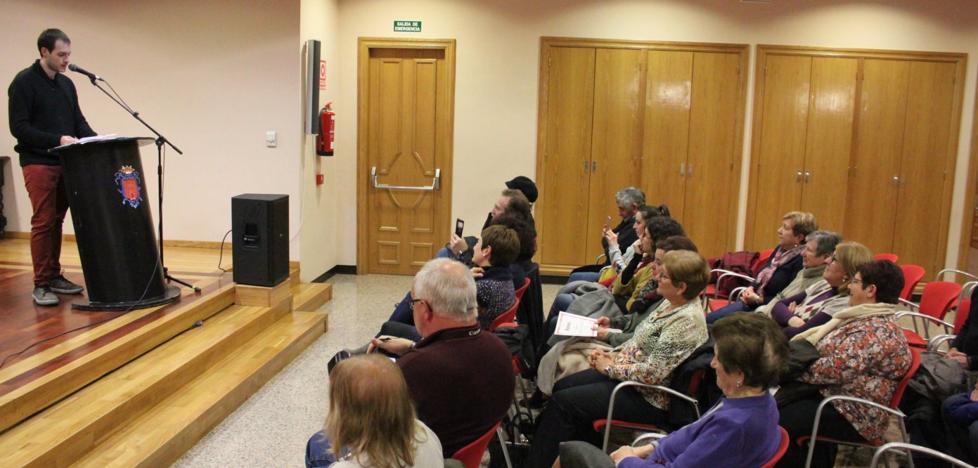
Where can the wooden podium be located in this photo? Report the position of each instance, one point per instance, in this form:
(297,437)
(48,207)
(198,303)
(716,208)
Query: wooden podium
(106,189)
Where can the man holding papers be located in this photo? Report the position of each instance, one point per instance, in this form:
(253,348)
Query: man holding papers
(44,114)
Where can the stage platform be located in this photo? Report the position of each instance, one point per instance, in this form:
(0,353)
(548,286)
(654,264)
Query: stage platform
(77,385)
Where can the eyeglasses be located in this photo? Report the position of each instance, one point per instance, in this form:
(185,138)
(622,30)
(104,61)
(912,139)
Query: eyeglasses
(415,301)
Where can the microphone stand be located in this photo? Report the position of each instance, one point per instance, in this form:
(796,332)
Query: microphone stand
(160,141)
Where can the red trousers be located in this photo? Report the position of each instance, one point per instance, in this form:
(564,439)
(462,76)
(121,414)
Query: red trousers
(46,189)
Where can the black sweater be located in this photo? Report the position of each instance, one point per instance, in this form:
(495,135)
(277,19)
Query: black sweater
(967,339)
(41,111)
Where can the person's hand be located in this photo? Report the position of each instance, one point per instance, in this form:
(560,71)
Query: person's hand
(397,346)
(67,140)
(626,451)
(791,307)
(602,333)
(457,244)
(960,358)
(477,272)
(974,393)
(796,322)
(601,360)
(612,238)
(603,322)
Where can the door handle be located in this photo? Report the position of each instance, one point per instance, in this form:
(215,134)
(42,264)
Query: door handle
(689,170)
(435,183)
(808,176)
(594,166)
(682,169)
(798,176)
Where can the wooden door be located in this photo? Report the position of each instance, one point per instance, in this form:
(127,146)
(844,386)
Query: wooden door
(406,112)
(780,146)
(616,137)
(871,210)
(709,205)
(829,140)
(565,110)
(925,163)
(666,136)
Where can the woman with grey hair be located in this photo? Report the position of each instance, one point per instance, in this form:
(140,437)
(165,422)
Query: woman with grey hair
(819,246)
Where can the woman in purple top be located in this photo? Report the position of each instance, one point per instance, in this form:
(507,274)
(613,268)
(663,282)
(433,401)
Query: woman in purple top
(739,431)
(820,301)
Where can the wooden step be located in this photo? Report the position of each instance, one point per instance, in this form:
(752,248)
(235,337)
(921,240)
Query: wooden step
(74,426)
(310,297)
(161,435)
(70,375)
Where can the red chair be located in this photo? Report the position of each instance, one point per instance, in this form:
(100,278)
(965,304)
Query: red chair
(606,423)
(963,310)
(936,301)
(912,274)
(522,289)
(471,455)
(755,268)
(782,448)
(886,256)
(893,409)
(505,317)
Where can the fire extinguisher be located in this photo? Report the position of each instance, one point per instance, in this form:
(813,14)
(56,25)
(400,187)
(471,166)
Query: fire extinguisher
(327,131)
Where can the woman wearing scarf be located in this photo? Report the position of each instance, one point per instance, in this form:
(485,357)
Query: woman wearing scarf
(819,302)
(816,255)
(863,354)
(783,265)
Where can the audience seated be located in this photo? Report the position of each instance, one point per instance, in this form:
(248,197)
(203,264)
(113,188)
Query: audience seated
(571,356)
(618,259)
(459,377)
(817,254)
(779,269)
(741,430)
(862,353)
(512,202)
(520,267)
(628,200)
(676,328)
(964,348)
(962,412)
(819,302)
(371,421)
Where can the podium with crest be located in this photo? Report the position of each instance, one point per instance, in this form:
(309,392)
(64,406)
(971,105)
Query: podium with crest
(117,242)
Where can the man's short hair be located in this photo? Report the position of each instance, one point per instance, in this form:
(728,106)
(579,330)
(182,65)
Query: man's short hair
(661,227)
(505,244)
(629,196)
(676,243)
(886,276)
(49,37)
(518,204)
(448,288)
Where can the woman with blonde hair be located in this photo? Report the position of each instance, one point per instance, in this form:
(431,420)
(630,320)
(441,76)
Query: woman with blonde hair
(371,421)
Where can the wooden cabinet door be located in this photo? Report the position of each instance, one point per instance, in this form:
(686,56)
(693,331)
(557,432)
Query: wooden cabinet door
(829,140)
(616,139)
(666,137)
(710,201)
(871,210)
(566,152)
(780,140)
(925,163)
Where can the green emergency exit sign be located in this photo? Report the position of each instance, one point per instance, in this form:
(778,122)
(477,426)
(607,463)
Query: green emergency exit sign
(407,26)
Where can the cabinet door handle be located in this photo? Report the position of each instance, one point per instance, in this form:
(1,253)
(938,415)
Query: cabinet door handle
(689,170)
(798,176)
(682,169)
(594,166)
(896,180)
(586,165)
(808,176)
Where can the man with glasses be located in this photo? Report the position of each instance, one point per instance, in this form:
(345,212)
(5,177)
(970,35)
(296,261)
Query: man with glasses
(460,377)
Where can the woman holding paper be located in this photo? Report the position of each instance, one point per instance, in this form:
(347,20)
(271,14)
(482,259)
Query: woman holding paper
(660,344)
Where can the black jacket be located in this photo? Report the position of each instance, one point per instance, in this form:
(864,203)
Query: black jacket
(42,110)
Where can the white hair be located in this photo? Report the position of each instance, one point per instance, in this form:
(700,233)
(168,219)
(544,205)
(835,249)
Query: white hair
(630,196)
(448,287)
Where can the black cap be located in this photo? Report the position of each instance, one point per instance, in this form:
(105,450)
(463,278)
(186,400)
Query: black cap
(525,185)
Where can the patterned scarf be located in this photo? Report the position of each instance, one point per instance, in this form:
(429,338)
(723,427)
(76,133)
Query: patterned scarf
(781,257)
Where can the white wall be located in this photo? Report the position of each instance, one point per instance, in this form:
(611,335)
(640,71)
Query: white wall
(498,54)
(212,76)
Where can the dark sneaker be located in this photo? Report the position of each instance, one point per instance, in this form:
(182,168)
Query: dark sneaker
(61,285)
(44,297)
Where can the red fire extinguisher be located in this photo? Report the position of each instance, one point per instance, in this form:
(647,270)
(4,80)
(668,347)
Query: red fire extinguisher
(327,131)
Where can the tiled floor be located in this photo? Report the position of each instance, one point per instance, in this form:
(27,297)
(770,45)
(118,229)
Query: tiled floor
(272,427)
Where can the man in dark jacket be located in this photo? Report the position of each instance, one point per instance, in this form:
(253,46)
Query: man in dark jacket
(44,114)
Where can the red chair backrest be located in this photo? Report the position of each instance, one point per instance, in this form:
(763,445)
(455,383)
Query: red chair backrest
(938,298)
(886,256)
(762,257)
(471,455)
(522,289)
(912,274)
(782,448)
(507,316)
(964,308)
(902,386)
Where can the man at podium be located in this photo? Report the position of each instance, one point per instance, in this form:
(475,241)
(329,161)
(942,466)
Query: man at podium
(44,113)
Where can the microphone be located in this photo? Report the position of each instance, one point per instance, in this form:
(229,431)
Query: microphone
(90,75)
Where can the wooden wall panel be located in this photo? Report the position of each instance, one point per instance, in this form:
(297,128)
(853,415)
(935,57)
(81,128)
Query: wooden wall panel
(666,137)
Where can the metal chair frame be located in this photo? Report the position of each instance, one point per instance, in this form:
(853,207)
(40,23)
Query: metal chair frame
(818,415)
(614,393)
(914,448)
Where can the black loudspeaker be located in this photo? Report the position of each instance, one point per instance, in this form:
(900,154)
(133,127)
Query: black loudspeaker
(260,238)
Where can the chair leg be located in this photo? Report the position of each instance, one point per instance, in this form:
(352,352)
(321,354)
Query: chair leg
(502,445)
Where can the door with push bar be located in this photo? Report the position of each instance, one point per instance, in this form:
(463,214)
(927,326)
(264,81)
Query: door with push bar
(405,141)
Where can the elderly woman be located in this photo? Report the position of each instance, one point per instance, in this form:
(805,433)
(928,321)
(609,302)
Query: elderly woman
(780,268)
(660,344)
(741,430)
(620,258)
(816,256)
(819,302)
(371,421)
(863,354)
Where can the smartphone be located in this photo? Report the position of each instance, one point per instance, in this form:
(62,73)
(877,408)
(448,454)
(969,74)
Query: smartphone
(459,226)
(607,222)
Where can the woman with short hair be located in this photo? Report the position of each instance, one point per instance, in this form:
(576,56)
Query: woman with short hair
(741,430)
(371,421)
